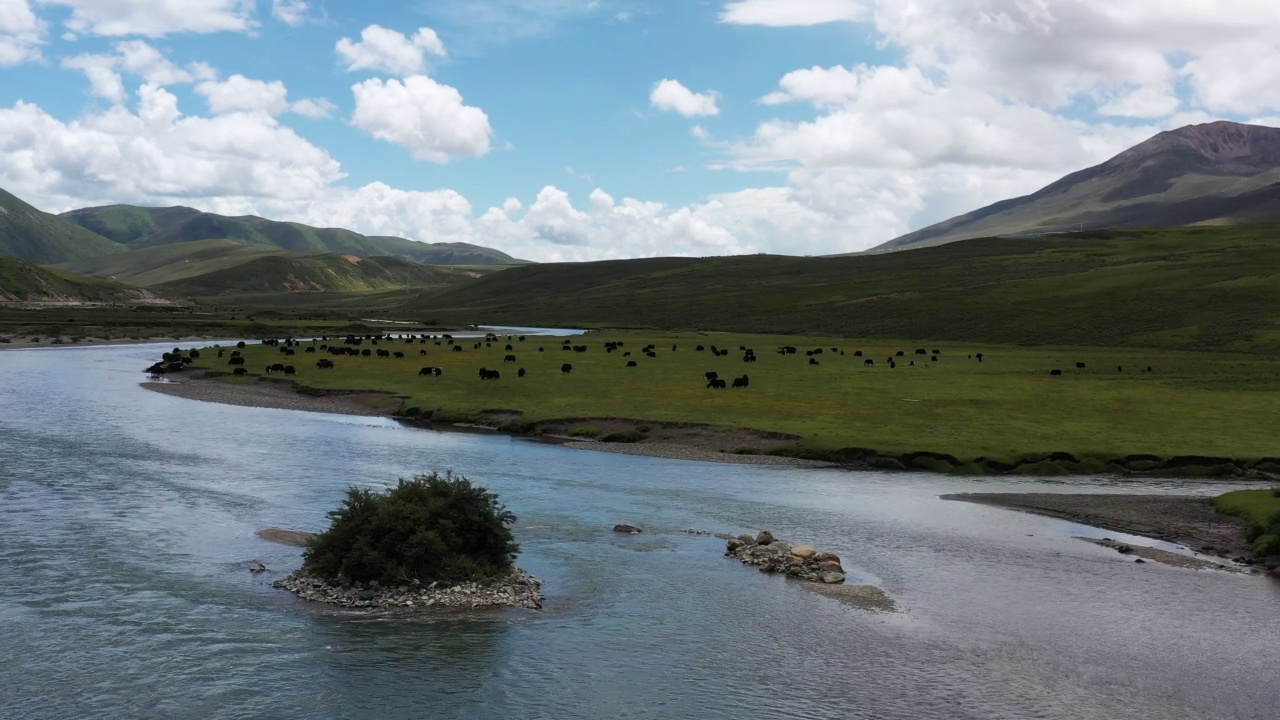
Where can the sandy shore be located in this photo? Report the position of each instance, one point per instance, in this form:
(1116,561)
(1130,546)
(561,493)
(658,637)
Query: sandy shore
(1188,521)
(267,394)
(284,395)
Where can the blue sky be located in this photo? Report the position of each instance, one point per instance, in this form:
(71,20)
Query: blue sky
(584,129)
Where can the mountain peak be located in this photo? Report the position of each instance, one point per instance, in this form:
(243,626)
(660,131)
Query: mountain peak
(1221,172)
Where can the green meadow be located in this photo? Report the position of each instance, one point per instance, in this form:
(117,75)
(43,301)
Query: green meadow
(1194,413)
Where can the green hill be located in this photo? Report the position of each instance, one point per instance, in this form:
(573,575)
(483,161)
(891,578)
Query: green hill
(39,237)
(22,281)
(207,268)
(298,273)
(1203,288)
(150,227)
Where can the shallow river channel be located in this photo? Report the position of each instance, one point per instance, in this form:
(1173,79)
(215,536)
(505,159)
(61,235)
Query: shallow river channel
(127,523)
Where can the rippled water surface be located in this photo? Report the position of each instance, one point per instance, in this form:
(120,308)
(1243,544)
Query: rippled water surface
(127,522)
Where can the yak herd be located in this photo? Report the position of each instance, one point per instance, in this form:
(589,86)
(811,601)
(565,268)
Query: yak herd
(368,346)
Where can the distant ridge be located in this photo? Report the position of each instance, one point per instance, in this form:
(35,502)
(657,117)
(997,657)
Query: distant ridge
(1219,173)
(135,227)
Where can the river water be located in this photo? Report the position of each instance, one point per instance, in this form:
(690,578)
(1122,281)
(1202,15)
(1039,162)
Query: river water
(127,523)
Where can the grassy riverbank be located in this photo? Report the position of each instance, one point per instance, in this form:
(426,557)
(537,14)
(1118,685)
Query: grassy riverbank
(1194,413)
(1261,510)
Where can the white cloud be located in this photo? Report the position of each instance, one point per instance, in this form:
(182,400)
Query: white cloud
(700,132)
(156,155)
(820,86)
(791,13)
(314,108)
(290,12)
(390,51)
(154,18)
(422,116)
(672,96)
(134,57)
(20,33)
(241,94)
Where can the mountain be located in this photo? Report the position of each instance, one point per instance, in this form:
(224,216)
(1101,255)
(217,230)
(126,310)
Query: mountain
(22,281)
(1194,288)
(206,268)
(1219,173)
(149,227)
(29,234)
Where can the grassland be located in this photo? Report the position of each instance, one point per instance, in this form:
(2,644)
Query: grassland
(21,281)
(1261,508)
(1194,413)
(1187,289)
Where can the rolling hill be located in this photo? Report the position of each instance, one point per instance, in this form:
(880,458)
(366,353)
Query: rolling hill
(150,227)
(208,268)
(1219,173)
(21,281)
(29,234)
(1193,288)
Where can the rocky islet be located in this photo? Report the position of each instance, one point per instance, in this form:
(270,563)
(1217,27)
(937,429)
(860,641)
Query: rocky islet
(518,589)
(772,555)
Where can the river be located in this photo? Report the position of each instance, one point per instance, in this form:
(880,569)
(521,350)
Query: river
(127,523)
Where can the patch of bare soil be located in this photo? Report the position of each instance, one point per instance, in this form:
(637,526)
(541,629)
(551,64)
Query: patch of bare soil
(1188,521)
(683,441)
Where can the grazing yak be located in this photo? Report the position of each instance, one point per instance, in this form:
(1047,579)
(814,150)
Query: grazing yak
(711,375)
(631,363)
(487,374)
(868,362)
(239,372)
(814,361)
(324,364)
(566,368)
(716,384)
(430,371)
(1080,366)
(520,372)
(457,348)
(290,370)
(508,358)
(1055,372)
(237,360)
(741,382)
(397,355)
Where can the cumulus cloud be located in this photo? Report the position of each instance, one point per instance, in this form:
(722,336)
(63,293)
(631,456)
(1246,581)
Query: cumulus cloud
(290,12)
(423,116)
(387,50)
(154,18)
(20,33)
(672,96)
(241,94)
(134,57)
(154,154)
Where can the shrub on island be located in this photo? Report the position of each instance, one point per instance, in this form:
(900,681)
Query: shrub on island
(430,529)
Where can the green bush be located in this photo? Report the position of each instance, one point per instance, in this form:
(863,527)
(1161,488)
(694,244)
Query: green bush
(431,528)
